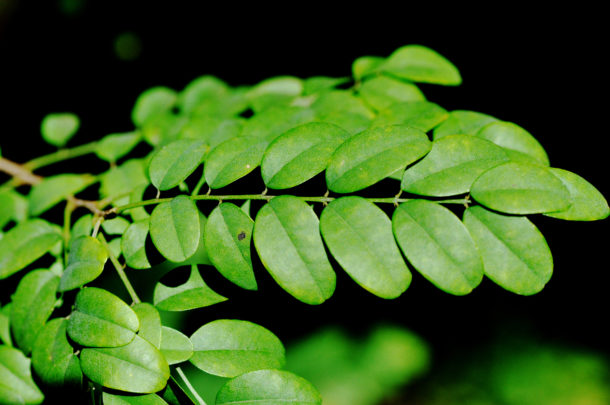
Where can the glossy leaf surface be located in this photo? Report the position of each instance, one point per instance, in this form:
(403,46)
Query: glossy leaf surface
(53,357)
(174,228)
(174,162)
(16,384)
(420,64)
(274,121)
(514,138)
(190,295)
(381,92)
(233,159)
(85,263)
(175,346)
(462,122)
(133,245)
(421,115)
(150,323)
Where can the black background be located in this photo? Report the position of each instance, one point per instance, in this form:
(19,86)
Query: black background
(544,72)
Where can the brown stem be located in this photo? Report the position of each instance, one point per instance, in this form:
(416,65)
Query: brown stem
(18,172)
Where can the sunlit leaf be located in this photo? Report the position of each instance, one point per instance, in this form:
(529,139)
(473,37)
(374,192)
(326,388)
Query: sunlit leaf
(174,228)
(82,227)
(54,189)
(115,226)
(300,154)
(58,128)
(420,64)
(438,245)
(515,139)
(515,254)
(268,387)
(233,159)
(190,295)
(381,92)
(462,122)
(452,166)
(101,319)
(133,245)
(227,236)
(287,239)
(175,346)
(16,384)
(421,115)
(351,122)
(137,367)
(114,146)
(151,103)
(85,263)
(228,348)
(372,155)
(147,399)
(174,162)
(359,236)
(519,188)
(150,323)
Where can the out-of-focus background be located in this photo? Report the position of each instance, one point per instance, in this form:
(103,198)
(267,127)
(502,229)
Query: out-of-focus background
(544,72)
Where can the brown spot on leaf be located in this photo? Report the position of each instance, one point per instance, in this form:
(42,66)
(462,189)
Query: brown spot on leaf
(241,235)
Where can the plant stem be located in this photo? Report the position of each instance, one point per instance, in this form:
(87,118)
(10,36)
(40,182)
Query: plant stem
(20,173)
(119,269)
(189,386)
(66,231)
(60,155)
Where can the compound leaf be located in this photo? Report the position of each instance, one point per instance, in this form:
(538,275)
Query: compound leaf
(24,244)
(420,64)
(133,244)
(268,387)
(58,128)
(515,254)
(175,346)
(53,357)
(227,237)
(114,146)
(137,367)
(520,188)
(588,204)
(287,239)
(515,139)
(421,115)
(228,348)
(359,235)
(16,384)
(300,154)
(374,154)
(233,159)
(101,319)
(381,92)
(438,245)
(190,295)
(462,122)
(55,189)
(175,228)
(85,263)
(33,303)
(453,164)
(150,323)
(175,161)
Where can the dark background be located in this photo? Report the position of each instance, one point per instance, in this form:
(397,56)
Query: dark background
(544,72)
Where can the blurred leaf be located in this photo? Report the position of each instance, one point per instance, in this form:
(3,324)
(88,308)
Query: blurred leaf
(174,228)
(55,189)
(228,348)
(380,92)
(274,91)
(453,164)
(319,84)
(365,66)
(515,254)
(190,295)
(162,128)
(515,139)
(202,90)
(232,160)
(85,263)
(438,245)
(150,323)
(211,130)
(227,237)
(519,188)
(274,121)
(359,236)
(372,155)
(121,180)
(13,207)
(174,162)
(101,319)
(175,346)
(133,245)
(136,367)
(351,122)
(462,122)
(53,357)
(17,386)
(57,129)
(114,146)
(82,227)
(151,103)
(340,101)
(115,226)
(268,386)
(421,115)
(24,244)
(5,324)
(420,64)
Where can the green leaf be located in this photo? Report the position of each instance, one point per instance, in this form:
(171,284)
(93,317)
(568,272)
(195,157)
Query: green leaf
(365,66)
(519,188)
(137,195)
(148,399)
(16,384)
(162,128)
(351,122)
(340,101)
(372,155)
(319,84)
(588,204)
(85,263)
(190,295)
(137,367)
(53,357)
(274,121)
(55,189)
(462,122)
(232,160)
(150,323)
(211,130)
(274,91)
(174,228)
(121,180)
(287,239)
(202,90)
(33,303)
(115,226)
(151,103)
(57,129)
(114,146)
(24,244)
(438,245)
(133,245)
(13,207)
(515,139)
(5,325)
(82,227)
(227,237)
(101,319)
(381,92)
(515,254)
(228,348)
(267,387)
(359,236)
(174,162)
(300,154)
(175,346)
(452,165)
(423,65)
(421,115)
